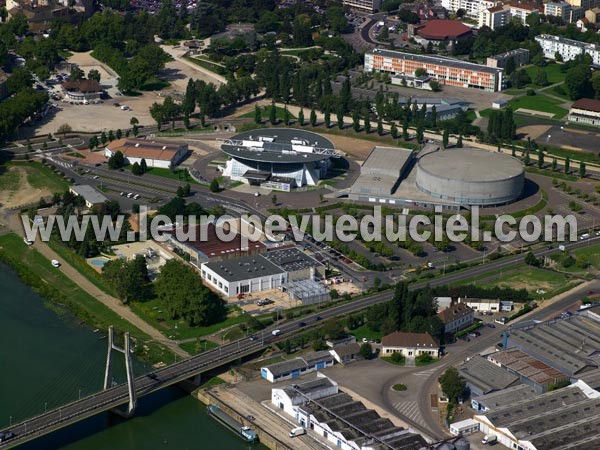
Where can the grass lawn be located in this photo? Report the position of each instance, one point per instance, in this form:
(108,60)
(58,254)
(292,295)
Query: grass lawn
(155,84)
(399,387)
(265,110)
(574,155)
(530,278)
(591,253)
(208,65)
(552,174)
(388,359)
(365,332)
(79,263)
(539,103)
(152,312)
(552,72)
(193,348)
(38,177)
(177,174)
(88,308)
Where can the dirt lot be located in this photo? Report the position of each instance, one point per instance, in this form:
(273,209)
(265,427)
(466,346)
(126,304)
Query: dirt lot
(15,189)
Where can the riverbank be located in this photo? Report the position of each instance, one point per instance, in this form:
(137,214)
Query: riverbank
(64,296)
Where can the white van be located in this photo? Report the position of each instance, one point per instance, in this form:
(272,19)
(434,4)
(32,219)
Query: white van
(55,263)
(276,332)
(489,439)
(297,432)
(584,236)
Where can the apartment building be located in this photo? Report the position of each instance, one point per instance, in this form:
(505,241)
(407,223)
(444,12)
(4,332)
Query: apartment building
(568,49)
(494,17)
(365,5)
(471,7)
(522,10)
(447,71)
(520,56)
(558,9)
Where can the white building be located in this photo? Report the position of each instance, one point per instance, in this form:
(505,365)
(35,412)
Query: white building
(455,318)
(586,111)
(289,397)
(156,154)
(558,9)
(293,368)
(409,345)
(245,275)
(521,11)
(494,17)
(365,5)
(91,196)
(479,304)
(471,7)
(568,49)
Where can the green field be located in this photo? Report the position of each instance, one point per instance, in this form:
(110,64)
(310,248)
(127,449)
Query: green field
(38,177)
(552,72)
(540,102)
(530,278)
(591,253)
(193,348)
(365,332)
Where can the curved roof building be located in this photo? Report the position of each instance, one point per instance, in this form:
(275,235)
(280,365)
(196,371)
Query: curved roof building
(278,158)
(470,176)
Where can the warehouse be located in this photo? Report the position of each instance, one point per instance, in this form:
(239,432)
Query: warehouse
(463,176)
(483,377)
(571,346)
(278,158)
(297,264)
(500,398)
(293,368)
(288,397)
(91,196)
(156,154)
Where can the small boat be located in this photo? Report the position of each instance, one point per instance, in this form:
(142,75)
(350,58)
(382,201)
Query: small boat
(247,433)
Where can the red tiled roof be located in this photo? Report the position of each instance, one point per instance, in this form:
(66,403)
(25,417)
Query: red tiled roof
(524,6)
(140,148)
(443,29)
(587,104)
(453,312)
(496,9)
(84,86)
(408,340)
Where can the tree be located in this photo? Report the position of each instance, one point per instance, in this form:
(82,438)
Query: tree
(420,133)
(379,126)
(367,125)
(286,116)
(540,156)
(76,74)
(129,278)
(577,81)
(181,291)
(554,164)
(526,158)
(136,169)
(273,114)
(93,74)
(541,79)
(433,116)
(214,185)
(143,166)
(394,131)
(445,138)
(313,118)
(355,121)
(567,164)
(274,200)
(301,117)
(452,384)
(435,85)
(187,190)
(366,351)
(257,114)
(340,117)
(111,135)
(531,260)
(64,129)
(116,161)
(327,118)
(119,134)
(459,142)
(92,142)
(420,72)
(405,130)
(582,169)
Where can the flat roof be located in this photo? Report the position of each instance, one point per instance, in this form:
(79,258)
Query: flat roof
(244,268)
(382,170)
(309,387)
(486,375)
(276,146)
(141,148)
(505,397)
(291,259)
(298,363)
(569,345)
(470,165)
(528,366)
(437,60)
(89,193)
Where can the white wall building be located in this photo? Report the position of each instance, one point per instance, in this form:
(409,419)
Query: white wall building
(409,345)
(494,17)
(568,49)
(287,398)
(366,5)
(522,11)
(293,368)
(156,154)
(585,110)
(91,196)
(479,304)
(471,7)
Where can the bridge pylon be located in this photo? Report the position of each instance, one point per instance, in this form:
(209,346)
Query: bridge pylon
(126,350)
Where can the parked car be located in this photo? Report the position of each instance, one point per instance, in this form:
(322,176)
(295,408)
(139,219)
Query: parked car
(302,324)
(55,263)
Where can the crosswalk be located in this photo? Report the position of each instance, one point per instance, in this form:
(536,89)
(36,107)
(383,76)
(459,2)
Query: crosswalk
(410,410)
(428,372)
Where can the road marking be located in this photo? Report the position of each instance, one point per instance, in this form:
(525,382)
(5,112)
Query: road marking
(411,411)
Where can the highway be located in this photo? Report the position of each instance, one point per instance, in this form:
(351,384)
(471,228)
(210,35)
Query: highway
(188,368)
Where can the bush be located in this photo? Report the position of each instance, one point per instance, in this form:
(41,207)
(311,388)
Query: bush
(399,387)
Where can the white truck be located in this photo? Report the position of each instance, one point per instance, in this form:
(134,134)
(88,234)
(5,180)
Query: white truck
(298,431)
(489,439)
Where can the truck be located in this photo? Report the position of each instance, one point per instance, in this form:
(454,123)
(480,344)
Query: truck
(489,439)
(298,431)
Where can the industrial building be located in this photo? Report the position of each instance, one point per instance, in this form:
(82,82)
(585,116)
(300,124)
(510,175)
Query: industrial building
(345,423)
(568,49)
(463,176)
(156,154)
(288,269)
(204,245)
(495,399)
(450,71)
(570,345)
(586,111)
(278,158)
(561,419)
(293,368)
(482,376)
(91,196)
(529,370)
(345,353)
(480,304)
(445,108)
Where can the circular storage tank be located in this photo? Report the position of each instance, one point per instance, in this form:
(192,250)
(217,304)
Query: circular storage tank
(462,444)
(470,176)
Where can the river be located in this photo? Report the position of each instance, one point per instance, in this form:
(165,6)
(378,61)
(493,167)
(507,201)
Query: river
(49,359)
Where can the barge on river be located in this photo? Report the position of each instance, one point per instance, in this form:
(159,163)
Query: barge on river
(246,433)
